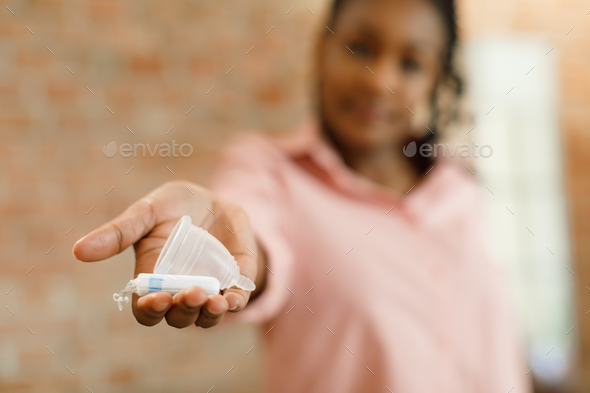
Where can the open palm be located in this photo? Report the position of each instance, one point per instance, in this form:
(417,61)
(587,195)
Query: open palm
(147,224)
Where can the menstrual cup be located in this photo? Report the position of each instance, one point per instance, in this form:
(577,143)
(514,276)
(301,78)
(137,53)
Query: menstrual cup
(191,250)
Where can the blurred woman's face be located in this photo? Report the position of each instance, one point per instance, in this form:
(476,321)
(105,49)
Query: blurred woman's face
(382,61)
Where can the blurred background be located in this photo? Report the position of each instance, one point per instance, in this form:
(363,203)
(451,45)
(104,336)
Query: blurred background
(75,76)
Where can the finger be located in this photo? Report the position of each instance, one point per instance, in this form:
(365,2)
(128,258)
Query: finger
(236,299)
(118,234)
(150,309)
(237,236)
(186,306)
(212,311)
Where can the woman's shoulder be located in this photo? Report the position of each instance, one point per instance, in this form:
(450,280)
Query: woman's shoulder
(250,149)
(251,142)
(451,198)
(456,180)
(265,146)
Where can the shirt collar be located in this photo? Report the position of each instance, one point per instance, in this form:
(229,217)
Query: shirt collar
(308,141)
(308,145)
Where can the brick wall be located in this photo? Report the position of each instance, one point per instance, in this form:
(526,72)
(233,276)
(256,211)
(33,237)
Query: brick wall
(553,21)
(149,63)
(88,73)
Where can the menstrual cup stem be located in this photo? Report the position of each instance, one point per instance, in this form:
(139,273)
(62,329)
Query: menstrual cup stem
(245,283)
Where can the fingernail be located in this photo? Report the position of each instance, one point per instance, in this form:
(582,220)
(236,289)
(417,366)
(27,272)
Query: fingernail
(233,304)
(159,306)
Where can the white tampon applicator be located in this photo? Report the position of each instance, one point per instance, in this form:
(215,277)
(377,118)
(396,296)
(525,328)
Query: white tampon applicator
(147,283)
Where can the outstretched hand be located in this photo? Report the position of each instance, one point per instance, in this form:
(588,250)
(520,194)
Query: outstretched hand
(147,224)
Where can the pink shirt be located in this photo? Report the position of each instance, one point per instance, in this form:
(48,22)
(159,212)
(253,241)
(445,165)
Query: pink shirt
(368,290)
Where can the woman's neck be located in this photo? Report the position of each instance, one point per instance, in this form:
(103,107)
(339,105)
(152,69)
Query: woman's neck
(385,165)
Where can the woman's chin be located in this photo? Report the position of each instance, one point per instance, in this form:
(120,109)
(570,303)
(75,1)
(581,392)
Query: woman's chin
(373,137)
(367,138)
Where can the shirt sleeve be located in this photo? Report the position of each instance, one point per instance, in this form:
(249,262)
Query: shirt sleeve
(247,172)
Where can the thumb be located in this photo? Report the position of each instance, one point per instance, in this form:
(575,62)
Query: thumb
(118,234)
